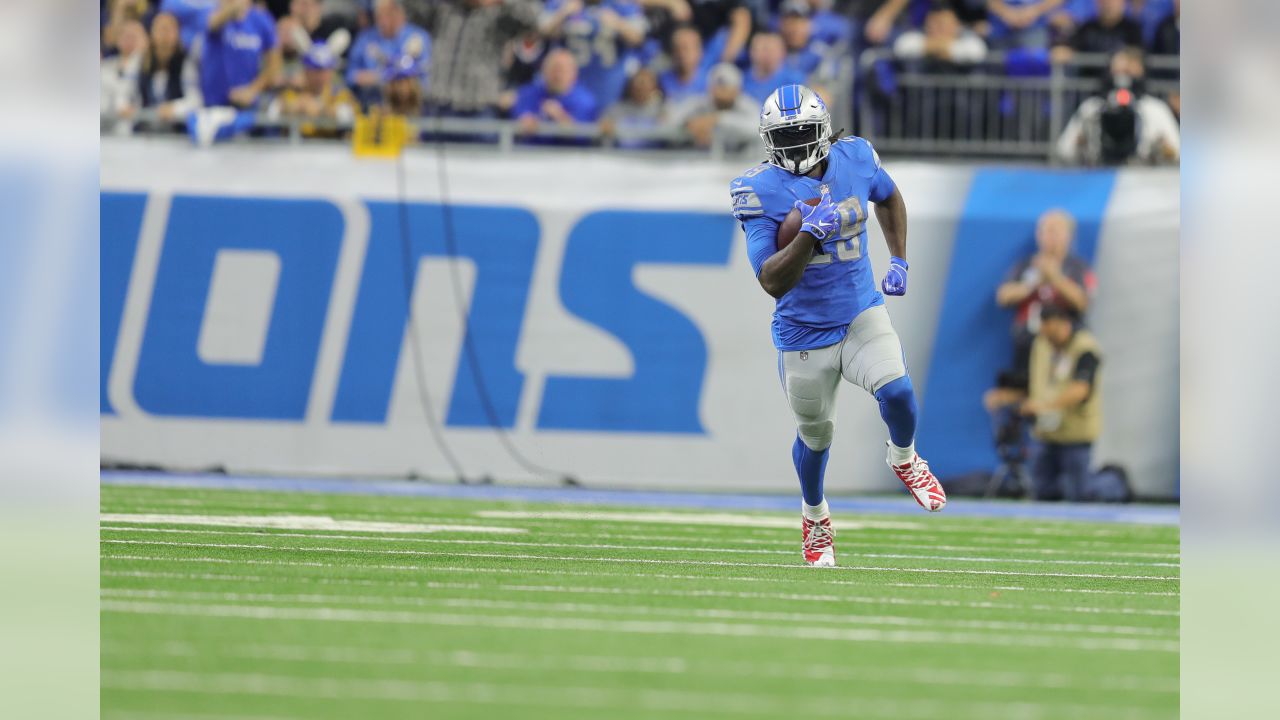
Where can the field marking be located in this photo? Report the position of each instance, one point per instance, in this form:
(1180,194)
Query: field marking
(876,540)
(112,714)
(654,701)
(656,548)
(691,518)
(663,592)
(657,665)
(634,609)
(644,627)
(298,522)
(1002,526)
(934,529)
(567,572)
(643,561)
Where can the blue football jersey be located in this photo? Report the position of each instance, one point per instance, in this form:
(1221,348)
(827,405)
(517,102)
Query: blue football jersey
(602,55)
(838,284)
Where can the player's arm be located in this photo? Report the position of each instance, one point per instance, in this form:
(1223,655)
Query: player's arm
(784,268)
(891,211)
(892,214)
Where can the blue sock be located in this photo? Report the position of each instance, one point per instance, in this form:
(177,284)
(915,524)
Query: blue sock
(898,408)
(811,466)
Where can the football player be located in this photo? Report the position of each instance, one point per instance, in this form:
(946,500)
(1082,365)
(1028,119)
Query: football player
(830,321)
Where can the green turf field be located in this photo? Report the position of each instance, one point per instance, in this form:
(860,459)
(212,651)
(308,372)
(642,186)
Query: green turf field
(425,608)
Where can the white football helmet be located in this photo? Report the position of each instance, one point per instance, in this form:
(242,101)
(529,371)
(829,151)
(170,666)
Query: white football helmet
(796,128)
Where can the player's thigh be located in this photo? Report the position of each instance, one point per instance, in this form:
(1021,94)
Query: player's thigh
(871,354)
(810,379)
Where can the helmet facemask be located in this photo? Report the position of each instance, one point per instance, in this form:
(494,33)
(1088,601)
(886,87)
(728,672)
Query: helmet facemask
(798,147)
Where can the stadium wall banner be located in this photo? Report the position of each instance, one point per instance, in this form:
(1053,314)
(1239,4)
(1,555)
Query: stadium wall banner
(574,314)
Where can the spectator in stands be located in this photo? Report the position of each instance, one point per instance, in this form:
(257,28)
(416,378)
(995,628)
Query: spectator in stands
(390,39)
(725,110)
(121,74)
(1125,124)
(831,24)
(310,16)
(522,58)
(943,44)
(601,35)
(1021,24)
(1110,30)
(120,12)
(1167,40)
(1064,399)
(1069,16)
(402,89)
(725,26)
(322,95)
(241,57)
(641,108)
(469,36)
(880,24)
(687,76)
(795,24)
(1149,14)
(768,70)
(664,16)
(170,79)
(557,97)
(192,20)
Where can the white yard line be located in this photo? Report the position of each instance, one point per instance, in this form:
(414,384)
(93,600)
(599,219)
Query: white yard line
(864,540)
(644,627)
(1020,527)
(298,522)
(418,569)
(663,592)
(685,518)
(657,665)
(643,561)
(655,548)
(633,608)
(933,531)
(655,702)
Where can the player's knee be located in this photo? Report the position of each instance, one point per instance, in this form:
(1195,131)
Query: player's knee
(898,392)
(816,435)
(805,398)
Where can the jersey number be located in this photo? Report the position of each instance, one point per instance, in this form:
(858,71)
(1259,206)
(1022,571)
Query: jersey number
(853,220)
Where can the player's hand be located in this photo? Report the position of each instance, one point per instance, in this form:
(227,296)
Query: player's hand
(819,220)
(895,280)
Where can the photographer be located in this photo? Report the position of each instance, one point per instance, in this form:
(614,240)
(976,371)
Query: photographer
(1125,124)
(1064,402)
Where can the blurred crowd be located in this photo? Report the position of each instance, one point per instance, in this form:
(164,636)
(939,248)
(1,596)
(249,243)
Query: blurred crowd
(699,66)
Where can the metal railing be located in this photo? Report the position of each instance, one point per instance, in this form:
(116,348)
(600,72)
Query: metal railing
(836,73)
(980,110)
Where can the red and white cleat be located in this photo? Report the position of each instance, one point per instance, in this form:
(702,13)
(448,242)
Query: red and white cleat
(924,487)
(819,542)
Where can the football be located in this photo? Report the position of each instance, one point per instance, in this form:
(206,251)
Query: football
(790,226)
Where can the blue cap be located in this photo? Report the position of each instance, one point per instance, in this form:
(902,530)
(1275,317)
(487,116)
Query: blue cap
(320,57)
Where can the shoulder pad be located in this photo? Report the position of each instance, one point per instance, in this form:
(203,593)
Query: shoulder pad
(865,158)
(750,190)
